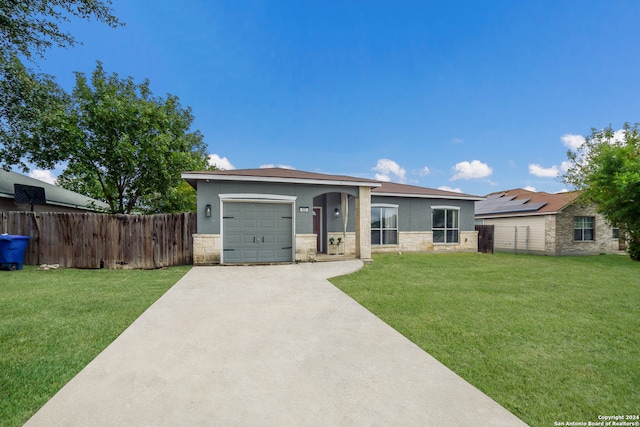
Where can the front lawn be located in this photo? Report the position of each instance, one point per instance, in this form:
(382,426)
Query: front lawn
(552,339)
(53,323)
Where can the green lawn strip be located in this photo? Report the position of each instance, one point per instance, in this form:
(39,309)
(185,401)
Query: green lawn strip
(549,338)
(53,323)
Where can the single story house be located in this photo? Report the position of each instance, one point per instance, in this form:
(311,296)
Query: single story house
(546,224)
(282,215)
(22,193)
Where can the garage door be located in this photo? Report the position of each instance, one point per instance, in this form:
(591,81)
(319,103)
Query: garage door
(257,232)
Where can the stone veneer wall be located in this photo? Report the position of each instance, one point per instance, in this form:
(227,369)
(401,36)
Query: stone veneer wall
(422,241)
(550,237)
(363,224)
(349,241)
(206,249)
(305,248)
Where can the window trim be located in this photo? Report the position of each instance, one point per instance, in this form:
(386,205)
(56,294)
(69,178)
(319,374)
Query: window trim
(593,229)
(445,229)
(396,229)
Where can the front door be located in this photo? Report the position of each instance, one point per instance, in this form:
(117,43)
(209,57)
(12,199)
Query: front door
(317,227)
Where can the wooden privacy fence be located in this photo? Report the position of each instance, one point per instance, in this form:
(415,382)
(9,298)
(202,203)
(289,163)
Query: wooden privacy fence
(90,240)
(485,238)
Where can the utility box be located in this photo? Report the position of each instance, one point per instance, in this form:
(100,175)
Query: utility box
(12,251)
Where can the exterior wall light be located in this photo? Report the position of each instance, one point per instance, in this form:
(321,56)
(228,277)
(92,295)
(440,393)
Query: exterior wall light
(207,211)
(336,213)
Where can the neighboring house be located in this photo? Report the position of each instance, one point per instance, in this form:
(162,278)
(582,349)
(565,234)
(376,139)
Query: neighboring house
(547,224)
(283,215)
(43,197)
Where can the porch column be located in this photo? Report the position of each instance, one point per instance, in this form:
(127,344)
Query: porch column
(363,224)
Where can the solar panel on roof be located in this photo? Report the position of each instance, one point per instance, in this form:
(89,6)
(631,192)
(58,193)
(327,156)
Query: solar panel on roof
(530,207)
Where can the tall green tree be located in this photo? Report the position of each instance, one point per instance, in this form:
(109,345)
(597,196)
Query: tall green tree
(125,146)
(25,97)
(27,29)
(30,27)
(606,168)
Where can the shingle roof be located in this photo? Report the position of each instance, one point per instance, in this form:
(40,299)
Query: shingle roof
(520,202)
(293,175)
(54,195)
(276,175)
(393,188)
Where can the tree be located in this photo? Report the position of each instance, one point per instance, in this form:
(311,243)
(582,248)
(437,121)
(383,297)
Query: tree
(27,29)
(24,98)
(124,146)
(606,168)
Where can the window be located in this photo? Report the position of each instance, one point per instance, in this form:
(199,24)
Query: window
(384,225)
(583,228)
(615,233)
(446,228)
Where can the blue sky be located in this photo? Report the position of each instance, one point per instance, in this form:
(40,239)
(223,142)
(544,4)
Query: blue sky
(475,96)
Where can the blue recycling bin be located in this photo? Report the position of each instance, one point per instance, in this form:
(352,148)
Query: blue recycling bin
(12,251)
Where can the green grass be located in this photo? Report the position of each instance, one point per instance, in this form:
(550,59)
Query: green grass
(549,338)
(53,323)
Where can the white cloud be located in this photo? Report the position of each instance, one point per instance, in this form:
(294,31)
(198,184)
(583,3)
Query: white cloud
(447,188)
(386,168)
(471,170)
(43,175)
(271,165)
(618,136)
(530,188)
(424,171)
(572,141)
(564,190)
(220,162)
(457,140)
(537,170)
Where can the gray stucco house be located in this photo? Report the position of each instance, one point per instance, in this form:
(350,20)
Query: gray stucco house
(283,215)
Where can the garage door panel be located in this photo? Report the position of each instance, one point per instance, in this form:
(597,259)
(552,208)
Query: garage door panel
(249,239)
(232,223)
(232,239)
(283,239)
(267,223)
(257,232)
(232,256)
(232,208)
(250,255)
(267,240)
(267,254)
(250,224)
(284,253)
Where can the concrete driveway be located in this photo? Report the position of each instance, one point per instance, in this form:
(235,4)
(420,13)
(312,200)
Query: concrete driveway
(266,346)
